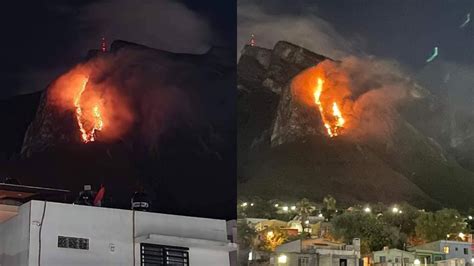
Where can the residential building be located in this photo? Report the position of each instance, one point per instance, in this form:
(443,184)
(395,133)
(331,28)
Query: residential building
(316,252)
(451,249)
(263,225)
(49,233)
(393,256)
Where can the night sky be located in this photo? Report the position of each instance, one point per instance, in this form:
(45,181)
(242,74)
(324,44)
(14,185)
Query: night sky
(404,30)
(42,39)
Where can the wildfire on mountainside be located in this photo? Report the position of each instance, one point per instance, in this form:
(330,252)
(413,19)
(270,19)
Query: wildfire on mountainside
(100,111)
(327,90)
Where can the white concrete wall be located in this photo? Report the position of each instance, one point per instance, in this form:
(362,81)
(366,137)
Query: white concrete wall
(294,246)
(105,227)
(101,226)
(391,255)
(14,238)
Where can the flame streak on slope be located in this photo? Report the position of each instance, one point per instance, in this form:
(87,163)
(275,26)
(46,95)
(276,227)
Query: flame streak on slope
(97,123)
(333,122)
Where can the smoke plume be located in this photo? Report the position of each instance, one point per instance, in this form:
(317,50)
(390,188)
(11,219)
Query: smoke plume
(138,92)
(368,92)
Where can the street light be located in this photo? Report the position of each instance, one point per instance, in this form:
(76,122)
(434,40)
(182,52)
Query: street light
(285,208)
(395,210)
(276,205)
(244,204)
(282,258)
(469,217)
(251,204)
(417,262)
(270,234)
(367,210)
(293,208)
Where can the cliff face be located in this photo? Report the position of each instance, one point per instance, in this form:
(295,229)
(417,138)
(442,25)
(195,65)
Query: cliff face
(16,114)
(289,155)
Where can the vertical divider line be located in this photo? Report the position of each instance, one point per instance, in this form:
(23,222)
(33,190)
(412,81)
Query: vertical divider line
(133,236)
(40,233)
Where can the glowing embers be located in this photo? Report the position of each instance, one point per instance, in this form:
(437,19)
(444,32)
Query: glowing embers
(88,115)
(333,119)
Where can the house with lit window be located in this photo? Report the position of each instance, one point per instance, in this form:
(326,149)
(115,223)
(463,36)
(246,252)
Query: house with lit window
(393,256)
(50,233)
(316,252)
(443,250)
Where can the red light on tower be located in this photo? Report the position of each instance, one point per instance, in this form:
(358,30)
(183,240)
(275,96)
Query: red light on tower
(103,45)
(252,40)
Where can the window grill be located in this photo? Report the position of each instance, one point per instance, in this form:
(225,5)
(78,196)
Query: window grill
(73,242)
(157,255)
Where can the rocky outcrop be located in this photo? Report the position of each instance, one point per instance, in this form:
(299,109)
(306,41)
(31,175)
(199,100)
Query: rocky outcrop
(289,156)
(286,61)
(49,128)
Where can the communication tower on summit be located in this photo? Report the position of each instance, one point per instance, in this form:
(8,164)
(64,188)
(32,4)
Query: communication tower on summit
(103,45)
(252,40)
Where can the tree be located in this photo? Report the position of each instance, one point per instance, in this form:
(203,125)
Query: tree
(329,207)
(304,210)
(437,226)
(405,221)
(258,208)
(374,233)
(272,237)
(246,235)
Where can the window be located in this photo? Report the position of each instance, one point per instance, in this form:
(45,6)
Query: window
(446,249)
(397,260)
(73,242)
(342,262)
(466,251)
(157,255)
(382,259)
(303,261)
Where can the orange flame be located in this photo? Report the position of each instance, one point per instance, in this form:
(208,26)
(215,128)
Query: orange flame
(333,122)
(87,135)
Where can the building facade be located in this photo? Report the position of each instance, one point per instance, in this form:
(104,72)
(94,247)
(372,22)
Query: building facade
(47,233)
(393,256)
(316,252)
(451,249)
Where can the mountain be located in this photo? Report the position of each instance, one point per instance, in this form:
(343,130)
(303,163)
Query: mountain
(16,114)
(285,153)
(179,143)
